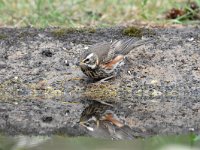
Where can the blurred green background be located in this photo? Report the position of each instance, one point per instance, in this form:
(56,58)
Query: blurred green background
(81,13)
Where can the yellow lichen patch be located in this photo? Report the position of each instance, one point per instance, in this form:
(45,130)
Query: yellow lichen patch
(16,89)
(56,92)
(2,36)
(154,82)
(172,93)
(139,92)
(101,91)
(75,78)
(156,93)
(11,88)
(68,103)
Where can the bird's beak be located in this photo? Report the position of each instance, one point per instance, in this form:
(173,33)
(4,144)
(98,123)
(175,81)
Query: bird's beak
(97,61)
(81,122)
(80,63)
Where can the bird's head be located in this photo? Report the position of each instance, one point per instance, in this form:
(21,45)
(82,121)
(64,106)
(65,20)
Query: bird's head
(90,61)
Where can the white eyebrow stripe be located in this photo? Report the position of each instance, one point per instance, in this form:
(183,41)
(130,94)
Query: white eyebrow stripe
(90,55)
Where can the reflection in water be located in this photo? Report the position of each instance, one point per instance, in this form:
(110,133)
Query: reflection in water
(21,142)
(66,143)
(101,121)
(29,142)
(94,111)
(108,130)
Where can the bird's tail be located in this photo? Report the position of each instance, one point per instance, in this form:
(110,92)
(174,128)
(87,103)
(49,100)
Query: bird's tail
(125,46)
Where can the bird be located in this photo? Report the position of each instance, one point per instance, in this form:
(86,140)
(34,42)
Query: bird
(111,117)
(98,111)
(94,112)
(101,121)
(103,60)
(108,130)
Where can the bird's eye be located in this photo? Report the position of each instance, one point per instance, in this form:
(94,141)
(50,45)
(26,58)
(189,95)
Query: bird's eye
(86,60)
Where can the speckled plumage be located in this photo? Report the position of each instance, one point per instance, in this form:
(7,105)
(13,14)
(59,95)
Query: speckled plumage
(103,59)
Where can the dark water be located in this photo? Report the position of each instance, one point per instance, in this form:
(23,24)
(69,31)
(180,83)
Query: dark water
(183,142)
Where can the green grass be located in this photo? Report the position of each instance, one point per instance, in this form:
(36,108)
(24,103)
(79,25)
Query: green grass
(81,13)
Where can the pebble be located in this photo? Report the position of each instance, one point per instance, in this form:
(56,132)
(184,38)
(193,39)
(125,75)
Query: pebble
(2,65)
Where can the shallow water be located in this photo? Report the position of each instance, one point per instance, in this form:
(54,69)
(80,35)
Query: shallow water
(86,143)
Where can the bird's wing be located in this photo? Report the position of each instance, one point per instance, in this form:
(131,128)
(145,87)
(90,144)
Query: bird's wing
(108,51)
(102,50)
(123,47)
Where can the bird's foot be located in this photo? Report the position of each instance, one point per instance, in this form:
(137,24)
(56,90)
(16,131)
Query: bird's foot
(106,79)
(104,103)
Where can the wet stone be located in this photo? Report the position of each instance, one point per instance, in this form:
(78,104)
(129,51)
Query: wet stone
(157,91)
(2,65)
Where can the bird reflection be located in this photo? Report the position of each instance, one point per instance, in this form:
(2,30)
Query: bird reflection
(101,121)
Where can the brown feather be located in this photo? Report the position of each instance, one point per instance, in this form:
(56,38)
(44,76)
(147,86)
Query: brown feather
(110,64)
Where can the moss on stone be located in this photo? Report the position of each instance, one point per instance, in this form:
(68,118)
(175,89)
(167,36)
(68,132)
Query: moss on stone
(3,36)
(24,34)
(137,32)
(64,31)
(101,91)
(133,31)
(91,30)
(58,32)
